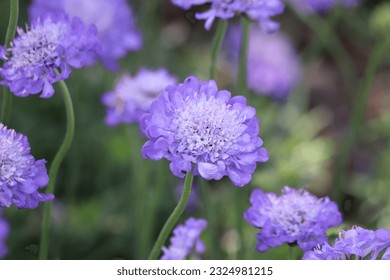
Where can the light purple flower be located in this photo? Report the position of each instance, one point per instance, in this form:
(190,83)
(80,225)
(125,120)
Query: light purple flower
(43,54)
(114,20)
(203,130)
(21,176)
(273,66)
(295,216)
(354,244)
(4,231)
(186,240)
(321,6)
(132,96)
(258,10)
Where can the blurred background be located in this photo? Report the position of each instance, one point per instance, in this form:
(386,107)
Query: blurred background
(111,203)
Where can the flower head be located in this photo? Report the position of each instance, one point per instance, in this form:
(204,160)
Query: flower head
(43,54)
(21,176)
(203,130)
(357,243)
(258,10)
(273,66)
(114,20)
(132,96)
(185,240)
(4,231)
(295,216)
(321,6)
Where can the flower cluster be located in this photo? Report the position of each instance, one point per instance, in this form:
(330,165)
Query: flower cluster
(4,230)
(357,244)
(114,20)
(21,176)
(273,66)
(132,96)
(186,240)
(203,130)
(295,216)
(258,10)
(43,54)
(321,6)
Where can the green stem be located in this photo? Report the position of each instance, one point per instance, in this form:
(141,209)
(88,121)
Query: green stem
(357,118)
(291,252)
(217,42)
(44,245)
(242,70)
(173,218)
(12,23)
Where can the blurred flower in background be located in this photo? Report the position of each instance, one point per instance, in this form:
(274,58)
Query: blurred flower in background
(321,6)
(354,244)
(4,231)
(273,65)
(21,176)
(43,54)
(132,96)
(186,241)
(114,20)
(294,216)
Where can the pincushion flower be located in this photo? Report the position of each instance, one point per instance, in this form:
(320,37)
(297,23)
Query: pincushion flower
(186,240)
(295,216)
(321,6)
(258,10)
(354,244)
(203,130)
(44,53)
(132,96)
(21,176)
(4,231)
(114,20)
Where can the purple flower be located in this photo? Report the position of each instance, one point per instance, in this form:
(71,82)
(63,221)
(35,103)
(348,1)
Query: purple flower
(203,130)
(295,216)
(114,20)
(21,176)
(43,54)
(132,96)
(357,243)
(321,6)
(4,231)
(273,66)
(258,10)
(185,240)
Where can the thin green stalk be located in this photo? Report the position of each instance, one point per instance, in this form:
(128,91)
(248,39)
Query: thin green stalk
(173,218)
(12,23)
(44,244)
(357,118)
(291,252)
(242,71)
(216,46)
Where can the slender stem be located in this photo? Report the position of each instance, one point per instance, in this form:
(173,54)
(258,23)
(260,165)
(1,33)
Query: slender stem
(242,70)
(44,245)
(291,252)
(217,42)
(173,218)
(356,118)
(12,23)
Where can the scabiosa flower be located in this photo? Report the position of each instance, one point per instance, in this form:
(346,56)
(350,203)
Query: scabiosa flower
(295,216)
(186,240)
(132,96)
(114,20)
(202,130)
(43,54)
(356,244)
(258,10)
(21,176)
(273,66)
(321,6)
(4,231)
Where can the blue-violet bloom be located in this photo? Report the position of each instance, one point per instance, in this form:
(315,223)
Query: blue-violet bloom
(354,244)
(114,20)
(186,240)
(258,10)
(21,176)
(321,6)
(132,96)
(296,216)
(4,231)
(43,54)
(203,130)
